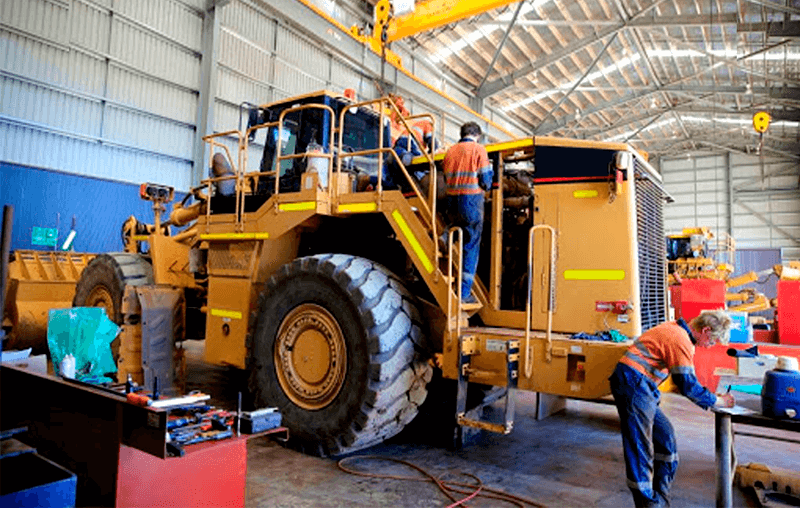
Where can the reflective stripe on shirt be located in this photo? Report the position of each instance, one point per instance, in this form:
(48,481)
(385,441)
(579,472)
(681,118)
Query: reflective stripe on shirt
(463,163)
(682,369)
(650,370)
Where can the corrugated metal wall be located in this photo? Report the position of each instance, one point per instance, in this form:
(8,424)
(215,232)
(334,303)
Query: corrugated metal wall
(101,88)
(756,200)
(51,199)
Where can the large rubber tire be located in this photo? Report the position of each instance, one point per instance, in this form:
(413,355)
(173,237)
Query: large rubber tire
(103,281)
(386,369)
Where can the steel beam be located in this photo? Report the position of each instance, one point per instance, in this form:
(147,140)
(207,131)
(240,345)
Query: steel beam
(776,6)
(492,87)
(502,43)
(792,116)
(732,62)
(773,29)
(208,88)
(586,73)
(697,20)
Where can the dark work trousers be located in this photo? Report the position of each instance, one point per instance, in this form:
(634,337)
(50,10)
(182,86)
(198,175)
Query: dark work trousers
(466,212)
(648,439)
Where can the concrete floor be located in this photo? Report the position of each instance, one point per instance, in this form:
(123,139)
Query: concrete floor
(571,459)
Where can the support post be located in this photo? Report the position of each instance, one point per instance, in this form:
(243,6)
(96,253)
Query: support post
(208,87)
(729,177)
(723,444)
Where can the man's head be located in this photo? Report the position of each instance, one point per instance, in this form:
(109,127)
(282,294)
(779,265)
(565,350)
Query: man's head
(711,327)
(471,130)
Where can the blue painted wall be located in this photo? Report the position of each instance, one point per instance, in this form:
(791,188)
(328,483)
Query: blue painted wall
(48,199)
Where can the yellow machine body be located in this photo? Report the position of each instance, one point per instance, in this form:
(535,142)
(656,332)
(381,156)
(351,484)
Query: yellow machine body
(244,251)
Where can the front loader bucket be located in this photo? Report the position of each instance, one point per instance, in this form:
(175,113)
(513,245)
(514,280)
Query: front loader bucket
(37,282)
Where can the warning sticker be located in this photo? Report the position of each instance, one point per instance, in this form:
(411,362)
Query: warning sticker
(496,346)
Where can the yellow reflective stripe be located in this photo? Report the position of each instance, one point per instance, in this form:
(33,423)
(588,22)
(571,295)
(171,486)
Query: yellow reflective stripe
(234,236)
(415,246)
(297,207)
(584,194)
(140,238)
(594,274)
(510,145)
(226,313)
(358,207)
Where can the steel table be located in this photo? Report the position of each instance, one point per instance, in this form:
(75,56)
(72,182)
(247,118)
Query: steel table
(747,412)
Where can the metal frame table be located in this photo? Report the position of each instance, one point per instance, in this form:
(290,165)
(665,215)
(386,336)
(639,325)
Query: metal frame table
(748,413)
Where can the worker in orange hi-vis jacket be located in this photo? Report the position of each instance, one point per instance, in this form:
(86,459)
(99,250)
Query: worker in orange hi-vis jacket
(468,173)
(648,439)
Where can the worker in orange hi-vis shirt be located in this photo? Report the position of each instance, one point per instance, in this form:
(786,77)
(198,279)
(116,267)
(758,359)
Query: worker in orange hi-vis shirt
(648,439)
(467,173)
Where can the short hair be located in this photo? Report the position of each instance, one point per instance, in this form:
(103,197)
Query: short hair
(470,129)
(718,321)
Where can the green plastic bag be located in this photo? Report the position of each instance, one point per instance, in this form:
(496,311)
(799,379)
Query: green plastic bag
(86,333)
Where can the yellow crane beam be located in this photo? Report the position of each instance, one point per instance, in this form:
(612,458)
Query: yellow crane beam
(429,15)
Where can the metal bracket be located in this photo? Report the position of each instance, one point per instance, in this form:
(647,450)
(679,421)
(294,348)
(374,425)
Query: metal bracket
(470,345)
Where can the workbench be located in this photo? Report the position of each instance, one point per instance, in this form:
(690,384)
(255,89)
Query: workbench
(117,449)
(748,412)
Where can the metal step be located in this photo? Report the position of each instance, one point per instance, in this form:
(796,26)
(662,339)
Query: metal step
(466,374)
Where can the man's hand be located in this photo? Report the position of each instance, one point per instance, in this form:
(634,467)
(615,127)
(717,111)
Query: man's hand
(725,400)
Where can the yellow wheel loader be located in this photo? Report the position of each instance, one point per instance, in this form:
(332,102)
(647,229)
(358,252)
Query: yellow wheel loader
(327,270)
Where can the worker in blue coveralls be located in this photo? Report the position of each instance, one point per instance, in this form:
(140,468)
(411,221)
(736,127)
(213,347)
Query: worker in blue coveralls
(648,439)
(467,173)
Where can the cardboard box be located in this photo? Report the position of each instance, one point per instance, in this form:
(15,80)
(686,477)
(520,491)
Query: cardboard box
(756,367)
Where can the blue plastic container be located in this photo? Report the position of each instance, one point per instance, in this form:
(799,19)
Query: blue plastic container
(742,330)
(781,391)
(30,480)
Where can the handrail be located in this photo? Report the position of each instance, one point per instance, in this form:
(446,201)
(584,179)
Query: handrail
(428,203)
(432,177)
(280,158)
(380,105)
(211,140)
(528,307)
(244,149)
(450,243)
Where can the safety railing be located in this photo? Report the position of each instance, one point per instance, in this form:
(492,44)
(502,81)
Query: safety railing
(241,175)
(329,155)
(428,202)
(451,239)
(550,299)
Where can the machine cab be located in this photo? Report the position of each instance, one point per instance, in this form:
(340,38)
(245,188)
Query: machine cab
(301,131)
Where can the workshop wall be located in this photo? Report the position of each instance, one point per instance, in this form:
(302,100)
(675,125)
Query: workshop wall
(101,91)
(51,199)
(756,200)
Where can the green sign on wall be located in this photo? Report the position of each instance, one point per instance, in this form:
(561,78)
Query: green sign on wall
(44,236)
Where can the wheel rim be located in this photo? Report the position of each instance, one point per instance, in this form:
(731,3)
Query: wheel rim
(310,356)
(100,296)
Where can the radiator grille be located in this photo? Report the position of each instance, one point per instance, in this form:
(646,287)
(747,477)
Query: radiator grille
(232,257)
(652,248)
